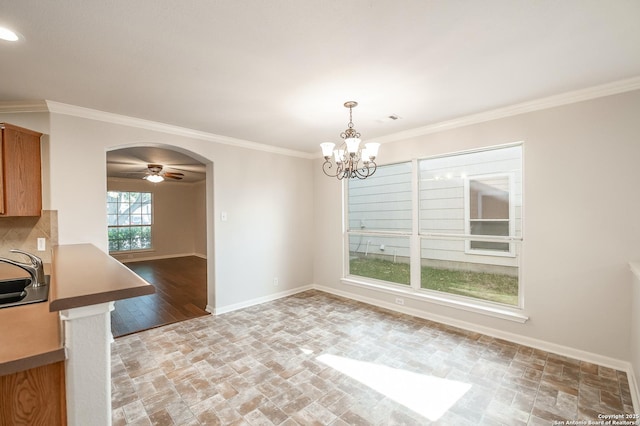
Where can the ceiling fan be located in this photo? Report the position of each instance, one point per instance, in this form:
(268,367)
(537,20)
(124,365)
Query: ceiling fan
(155,174)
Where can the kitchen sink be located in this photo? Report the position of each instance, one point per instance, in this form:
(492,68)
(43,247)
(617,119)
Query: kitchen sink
(19,291)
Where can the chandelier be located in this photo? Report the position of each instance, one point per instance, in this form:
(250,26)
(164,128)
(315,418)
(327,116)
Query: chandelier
(350,159)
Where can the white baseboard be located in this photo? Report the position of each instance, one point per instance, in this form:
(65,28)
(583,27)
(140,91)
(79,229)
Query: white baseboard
(633,387)
(578,354)
(234,307)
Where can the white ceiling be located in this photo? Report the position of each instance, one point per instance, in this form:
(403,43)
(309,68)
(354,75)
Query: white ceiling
(277,72)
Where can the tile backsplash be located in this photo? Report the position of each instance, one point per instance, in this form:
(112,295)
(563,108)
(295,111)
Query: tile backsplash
(22,233)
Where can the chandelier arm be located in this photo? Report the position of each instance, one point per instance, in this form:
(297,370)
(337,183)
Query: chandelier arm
(365,171)
(375,167)
(360,173)
(328,165)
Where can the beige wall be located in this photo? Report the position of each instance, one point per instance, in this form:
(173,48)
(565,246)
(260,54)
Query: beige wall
(267,197)
(580,218)
(581,204)
(200,219)
(179,217)
(22,233)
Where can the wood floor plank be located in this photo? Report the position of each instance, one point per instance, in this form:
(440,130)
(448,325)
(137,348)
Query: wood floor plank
(181,294)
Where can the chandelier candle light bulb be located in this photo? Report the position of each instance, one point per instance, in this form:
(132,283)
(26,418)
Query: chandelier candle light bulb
(347,158)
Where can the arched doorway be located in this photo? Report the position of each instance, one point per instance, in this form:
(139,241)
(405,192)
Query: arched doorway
(160,230)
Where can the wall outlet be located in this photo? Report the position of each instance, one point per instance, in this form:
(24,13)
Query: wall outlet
(399,301)
(42,245)
(276,283)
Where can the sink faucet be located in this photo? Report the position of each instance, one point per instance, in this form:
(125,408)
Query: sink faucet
(34,268)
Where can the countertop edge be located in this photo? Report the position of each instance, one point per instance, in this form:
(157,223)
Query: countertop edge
(95,299)
(85,275)
(34,361)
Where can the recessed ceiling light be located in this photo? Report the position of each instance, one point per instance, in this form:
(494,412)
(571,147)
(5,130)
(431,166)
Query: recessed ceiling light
(8,35)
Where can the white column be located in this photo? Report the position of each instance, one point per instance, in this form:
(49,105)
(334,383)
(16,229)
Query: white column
(87,336)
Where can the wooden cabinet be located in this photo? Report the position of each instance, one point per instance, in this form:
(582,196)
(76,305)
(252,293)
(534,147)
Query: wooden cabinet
(34,397)
(20,172)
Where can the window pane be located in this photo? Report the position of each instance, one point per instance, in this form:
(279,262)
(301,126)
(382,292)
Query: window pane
(445,267)
(380,257)
(123,219)
(112,197)
(112,208)
(493,179)
(126,213)
(489,198)
(382,201)
(123,207)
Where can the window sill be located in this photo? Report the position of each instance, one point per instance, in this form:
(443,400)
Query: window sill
(132,251)
(493,311)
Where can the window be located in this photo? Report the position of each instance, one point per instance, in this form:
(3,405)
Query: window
(129,217)
(488,207)
(460,239)
(380,224)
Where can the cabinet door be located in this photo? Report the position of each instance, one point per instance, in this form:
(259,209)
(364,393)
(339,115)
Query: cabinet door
(34,397)
(21,172)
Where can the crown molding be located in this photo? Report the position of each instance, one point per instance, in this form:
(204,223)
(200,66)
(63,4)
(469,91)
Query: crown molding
(108,117)
(565,98)
(23,106)
(608,89)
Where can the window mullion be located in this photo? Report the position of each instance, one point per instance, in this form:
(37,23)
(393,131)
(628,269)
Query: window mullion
(415,262)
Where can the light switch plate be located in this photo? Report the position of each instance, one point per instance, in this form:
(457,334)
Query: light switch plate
(41,244)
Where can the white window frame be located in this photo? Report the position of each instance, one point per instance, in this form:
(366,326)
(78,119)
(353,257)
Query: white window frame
(414,290)
(467,218)
(137,250)
(375,232)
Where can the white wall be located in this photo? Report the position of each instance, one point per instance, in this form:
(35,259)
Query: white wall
(267,197)
(580,221)
(179,215)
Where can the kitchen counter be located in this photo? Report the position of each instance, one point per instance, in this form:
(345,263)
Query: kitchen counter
(81,275)
(84,275)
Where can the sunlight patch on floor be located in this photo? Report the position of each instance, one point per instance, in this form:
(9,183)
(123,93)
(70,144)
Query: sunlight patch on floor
(428,396)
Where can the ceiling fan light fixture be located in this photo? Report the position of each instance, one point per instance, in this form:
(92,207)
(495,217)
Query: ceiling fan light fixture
(154,178)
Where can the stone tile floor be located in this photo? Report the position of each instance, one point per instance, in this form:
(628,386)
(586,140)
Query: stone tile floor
(314,358)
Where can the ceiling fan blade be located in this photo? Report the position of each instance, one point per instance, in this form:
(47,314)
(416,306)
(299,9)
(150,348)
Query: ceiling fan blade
(169,176)
(174,174)
(193,168)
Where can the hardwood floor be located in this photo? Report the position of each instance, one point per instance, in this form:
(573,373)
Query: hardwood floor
(181,294)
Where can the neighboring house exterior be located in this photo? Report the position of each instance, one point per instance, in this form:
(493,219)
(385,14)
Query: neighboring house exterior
(460,195)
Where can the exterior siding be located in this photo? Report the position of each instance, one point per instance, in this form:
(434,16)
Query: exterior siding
(383,203)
